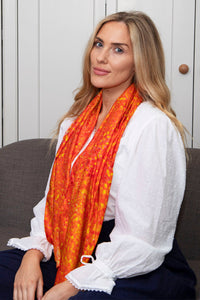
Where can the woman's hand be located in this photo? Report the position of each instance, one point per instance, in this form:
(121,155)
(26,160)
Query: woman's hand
(61,291)
(29,279)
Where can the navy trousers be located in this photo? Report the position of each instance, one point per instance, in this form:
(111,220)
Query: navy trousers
(172,280)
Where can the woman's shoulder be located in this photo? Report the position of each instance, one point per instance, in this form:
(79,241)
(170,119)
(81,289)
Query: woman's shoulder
(147,112)
(150,120)
(148,115)
(150,128)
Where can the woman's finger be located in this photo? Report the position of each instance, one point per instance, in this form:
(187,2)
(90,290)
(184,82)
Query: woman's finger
(40,289)
(18,294)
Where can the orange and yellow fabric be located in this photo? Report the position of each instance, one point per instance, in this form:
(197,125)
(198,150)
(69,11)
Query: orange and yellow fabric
(78,194)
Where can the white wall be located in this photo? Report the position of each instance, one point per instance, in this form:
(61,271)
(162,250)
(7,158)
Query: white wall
(10,71)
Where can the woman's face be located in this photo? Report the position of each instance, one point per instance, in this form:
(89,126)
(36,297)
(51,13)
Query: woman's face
(111,58)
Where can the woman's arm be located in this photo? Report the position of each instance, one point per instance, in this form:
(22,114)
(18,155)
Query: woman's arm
(29,279)
(148,200)
(37,239)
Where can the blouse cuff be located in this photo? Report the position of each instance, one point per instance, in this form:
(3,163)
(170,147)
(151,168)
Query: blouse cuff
(35,242)
(93,277)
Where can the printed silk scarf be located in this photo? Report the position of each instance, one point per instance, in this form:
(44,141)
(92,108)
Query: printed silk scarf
(78,194)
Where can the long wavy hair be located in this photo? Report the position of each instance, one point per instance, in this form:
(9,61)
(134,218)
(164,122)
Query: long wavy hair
(149,66)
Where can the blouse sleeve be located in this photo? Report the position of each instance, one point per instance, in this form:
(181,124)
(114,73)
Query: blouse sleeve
(37,238)
(147,205)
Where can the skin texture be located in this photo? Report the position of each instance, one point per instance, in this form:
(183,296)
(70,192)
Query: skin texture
(29,278)
(61,291)
(112,69)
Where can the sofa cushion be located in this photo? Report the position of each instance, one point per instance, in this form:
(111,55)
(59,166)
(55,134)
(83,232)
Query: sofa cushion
(25,166)
(188,229)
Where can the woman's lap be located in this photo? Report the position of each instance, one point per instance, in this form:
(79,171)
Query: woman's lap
(10,261)
(172,280)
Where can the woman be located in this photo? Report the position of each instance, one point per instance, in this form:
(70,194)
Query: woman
(117,182)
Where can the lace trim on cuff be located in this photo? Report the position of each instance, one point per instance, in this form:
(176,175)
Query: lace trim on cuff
(85,287)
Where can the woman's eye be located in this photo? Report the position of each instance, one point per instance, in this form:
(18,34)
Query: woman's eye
(119,50)
(98,44)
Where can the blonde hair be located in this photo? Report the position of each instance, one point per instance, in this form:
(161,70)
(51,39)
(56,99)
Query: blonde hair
(149,65)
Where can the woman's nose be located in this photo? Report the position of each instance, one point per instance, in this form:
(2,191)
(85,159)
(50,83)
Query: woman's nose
(102,57)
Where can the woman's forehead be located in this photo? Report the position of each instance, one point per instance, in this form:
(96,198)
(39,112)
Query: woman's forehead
(116,32)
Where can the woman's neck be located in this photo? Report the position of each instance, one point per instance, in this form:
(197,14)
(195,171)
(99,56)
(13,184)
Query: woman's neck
(109,96)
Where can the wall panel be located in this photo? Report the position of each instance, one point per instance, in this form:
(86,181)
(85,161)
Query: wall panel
(64,31)
(10,71)
(28,68)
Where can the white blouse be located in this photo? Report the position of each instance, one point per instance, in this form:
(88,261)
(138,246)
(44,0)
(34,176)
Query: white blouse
(145,198)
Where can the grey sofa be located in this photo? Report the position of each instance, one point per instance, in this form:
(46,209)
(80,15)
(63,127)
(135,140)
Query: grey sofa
(24,169)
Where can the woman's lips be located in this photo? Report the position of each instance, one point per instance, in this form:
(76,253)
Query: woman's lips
(101,72)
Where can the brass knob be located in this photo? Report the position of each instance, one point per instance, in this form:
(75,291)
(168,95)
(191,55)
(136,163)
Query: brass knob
(183,69)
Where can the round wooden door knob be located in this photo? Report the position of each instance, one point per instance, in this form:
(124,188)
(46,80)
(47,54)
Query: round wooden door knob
(183,69)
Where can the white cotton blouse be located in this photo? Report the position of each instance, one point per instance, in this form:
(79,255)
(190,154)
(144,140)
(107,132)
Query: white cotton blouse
(145,198)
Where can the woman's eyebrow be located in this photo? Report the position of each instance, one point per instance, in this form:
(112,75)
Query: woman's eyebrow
(120,44)
(98,38)
(114,44)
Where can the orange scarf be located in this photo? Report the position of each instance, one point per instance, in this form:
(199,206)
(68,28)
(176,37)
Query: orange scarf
(78,194)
